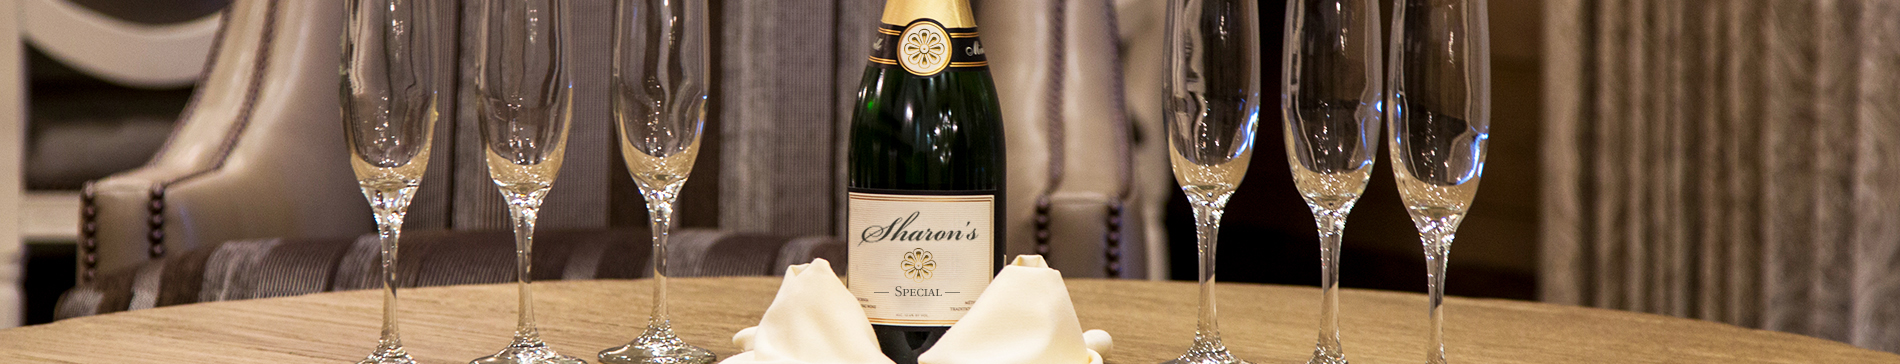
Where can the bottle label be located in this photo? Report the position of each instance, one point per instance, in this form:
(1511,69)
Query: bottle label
(920,260)
(925,48)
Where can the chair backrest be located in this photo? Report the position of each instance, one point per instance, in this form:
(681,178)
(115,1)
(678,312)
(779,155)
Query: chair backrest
(255,154)
(1073,196)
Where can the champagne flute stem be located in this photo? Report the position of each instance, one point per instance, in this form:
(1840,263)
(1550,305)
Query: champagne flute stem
(1332,226)
(660,211)
(525,210)
(1437,250)
(389,204)
(388,234)
(1207,215)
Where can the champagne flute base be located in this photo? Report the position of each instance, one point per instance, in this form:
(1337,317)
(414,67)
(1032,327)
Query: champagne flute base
(657,346)
(1207,353)
(389,354)
(1323,356)
(528,351)
(1190,359)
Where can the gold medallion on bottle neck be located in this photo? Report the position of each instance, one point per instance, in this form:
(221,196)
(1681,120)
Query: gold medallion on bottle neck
(928,37)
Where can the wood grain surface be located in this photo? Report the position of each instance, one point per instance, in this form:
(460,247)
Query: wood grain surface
(1151,322)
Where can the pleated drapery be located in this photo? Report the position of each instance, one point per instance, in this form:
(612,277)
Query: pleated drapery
(457,192)
(1726,160)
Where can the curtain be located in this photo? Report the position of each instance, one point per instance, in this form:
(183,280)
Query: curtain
(1726,160)
(789,71)
(457,192)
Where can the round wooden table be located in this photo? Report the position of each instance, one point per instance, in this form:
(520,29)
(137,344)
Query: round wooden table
(1151,322)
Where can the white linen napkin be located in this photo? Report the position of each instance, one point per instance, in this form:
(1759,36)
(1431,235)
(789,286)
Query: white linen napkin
(813,320)
(1024,317)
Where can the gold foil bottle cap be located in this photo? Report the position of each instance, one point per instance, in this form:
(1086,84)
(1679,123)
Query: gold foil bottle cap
(952,13)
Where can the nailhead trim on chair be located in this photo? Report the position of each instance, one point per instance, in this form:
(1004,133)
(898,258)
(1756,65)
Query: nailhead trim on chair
(1058,141)
(1113,241)
(157,222)
(211,61)
(88,232)
(156,219)
(260,66)
(89,245)
(1042,225)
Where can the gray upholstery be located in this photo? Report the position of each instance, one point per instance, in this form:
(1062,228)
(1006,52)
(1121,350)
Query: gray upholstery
(247,269)
(789,71)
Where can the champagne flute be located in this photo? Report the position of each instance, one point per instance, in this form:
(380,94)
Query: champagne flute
(1212,107)
(524,103)
(1440,117)
(1330,103)
(659,87)
(397,62)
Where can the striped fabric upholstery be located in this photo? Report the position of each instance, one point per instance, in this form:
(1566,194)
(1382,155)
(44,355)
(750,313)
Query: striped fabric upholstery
(247,269)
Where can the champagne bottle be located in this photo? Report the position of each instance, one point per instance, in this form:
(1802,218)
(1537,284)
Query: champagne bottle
(925,177)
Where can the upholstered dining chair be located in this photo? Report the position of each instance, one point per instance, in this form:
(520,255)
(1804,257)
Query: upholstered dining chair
(58,50)
(254,155)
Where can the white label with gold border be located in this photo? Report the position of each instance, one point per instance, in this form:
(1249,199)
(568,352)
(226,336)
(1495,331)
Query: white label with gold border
(920,260)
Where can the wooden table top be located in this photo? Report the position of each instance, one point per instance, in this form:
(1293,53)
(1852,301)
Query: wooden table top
(1151,322)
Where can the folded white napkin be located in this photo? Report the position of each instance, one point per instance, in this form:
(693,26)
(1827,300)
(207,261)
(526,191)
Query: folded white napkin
(1024,317)
(814,320)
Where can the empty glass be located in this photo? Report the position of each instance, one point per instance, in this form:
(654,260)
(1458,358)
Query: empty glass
(1213,106)
(659,85)
(1440,117)
(523,102)
(398,62)
(1330,105)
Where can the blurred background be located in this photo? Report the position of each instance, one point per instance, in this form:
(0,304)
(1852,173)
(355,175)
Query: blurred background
(1707,159)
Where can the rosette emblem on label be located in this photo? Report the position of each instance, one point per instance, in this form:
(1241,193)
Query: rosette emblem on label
(924,49)
(918,264)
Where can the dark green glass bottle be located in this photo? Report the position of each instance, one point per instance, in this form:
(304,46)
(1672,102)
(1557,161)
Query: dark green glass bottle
(926,167)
